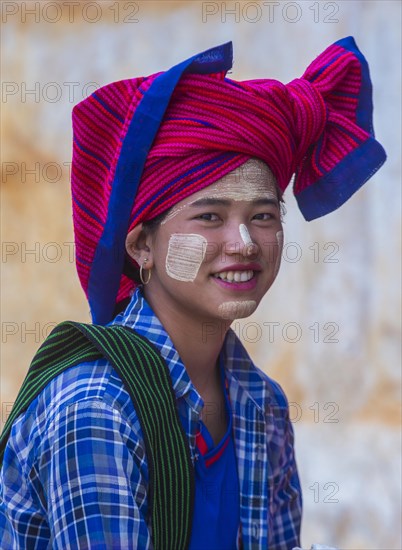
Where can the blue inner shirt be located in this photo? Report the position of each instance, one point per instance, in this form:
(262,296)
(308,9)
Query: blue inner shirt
(216,505)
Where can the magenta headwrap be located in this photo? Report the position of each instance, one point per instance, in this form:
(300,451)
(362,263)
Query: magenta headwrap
(144,144)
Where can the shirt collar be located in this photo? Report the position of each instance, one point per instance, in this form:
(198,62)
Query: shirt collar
(238,364)
(140,316)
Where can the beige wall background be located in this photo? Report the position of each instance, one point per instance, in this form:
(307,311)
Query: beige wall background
(329,329)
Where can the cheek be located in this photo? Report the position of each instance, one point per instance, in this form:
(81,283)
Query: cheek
(279,240)
(185,255)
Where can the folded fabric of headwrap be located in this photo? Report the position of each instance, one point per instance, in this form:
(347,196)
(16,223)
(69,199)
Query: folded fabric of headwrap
(142,145)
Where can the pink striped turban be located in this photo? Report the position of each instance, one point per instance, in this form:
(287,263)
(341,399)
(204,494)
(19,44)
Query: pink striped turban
(142,145)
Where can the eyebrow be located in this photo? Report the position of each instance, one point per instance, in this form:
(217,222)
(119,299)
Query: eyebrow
(227,202)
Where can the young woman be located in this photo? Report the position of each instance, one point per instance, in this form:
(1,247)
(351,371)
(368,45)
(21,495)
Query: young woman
(177,187)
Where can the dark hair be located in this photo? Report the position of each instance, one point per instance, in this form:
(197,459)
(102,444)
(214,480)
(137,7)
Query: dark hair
(130,268)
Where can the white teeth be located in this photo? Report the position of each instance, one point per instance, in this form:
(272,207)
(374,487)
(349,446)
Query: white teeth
(236,276)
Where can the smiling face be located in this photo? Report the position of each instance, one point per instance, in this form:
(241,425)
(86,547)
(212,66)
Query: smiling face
(218,252)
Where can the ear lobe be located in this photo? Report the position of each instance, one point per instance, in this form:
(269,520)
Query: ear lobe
(136,245)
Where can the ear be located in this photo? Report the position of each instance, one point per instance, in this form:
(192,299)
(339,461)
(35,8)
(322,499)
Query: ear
(138,246)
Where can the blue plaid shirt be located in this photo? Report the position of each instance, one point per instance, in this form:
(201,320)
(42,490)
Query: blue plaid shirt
(75,474)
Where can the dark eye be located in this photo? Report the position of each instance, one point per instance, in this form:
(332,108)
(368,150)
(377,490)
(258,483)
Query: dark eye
(208,217)
(265,216)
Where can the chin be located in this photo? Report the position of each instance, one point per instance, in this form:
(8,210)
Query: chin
(236,309)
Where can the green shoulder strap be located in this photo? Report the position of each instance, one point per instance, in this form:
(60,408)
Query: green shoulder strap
(146,378)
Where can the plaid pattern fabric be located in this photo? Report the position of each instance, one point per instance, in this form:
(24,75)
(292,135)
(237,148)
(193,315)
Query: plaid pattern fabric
(75,473)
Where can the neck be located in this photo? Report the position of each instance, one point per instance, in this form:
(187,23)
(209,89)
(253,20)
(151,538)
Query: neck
(198,343)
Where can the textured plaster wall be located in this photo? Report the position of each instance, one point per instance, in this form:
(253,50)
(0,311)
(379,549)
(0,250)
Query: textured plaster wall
(329,329)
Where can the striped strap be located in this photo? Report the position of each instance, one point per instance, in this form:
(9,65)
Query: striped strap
(146,377)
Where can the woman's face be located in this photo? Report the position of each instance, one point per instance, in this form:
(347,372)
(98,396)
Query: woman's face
(218,252)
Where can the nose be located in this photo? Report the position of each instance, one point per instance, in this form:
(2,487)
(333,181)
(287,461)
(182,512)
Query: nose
(241,242)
